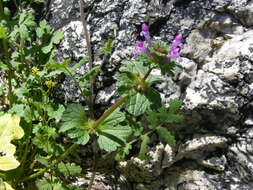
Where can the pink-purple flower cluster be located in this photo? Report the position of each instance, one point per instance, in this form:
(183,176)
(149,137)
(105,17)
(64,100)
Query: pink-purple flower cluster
(146,46)
(176,46)
(142,47)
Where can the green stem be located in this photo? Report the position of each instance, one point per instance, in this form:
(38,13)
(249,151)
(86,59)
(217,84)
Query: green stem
(95,161)
(109,111)
(55,162)
(7,57)
(88,43)
(148,73)
(147,133)
(79,87)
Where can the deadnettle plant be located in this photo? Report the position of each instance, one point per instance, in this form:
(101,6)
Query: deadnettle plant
(158,52)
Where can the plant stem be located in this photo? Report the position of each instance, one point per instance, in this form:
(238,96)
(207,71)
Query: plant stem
(88,43)
(147,133)
(95,161)
(79,87)
(55,162)
(148,73)
(109,111)
(7,57)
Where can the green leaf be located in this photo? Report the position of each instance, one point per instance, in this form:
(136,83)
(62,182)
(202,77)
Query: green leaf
(58,35)
(48,48)
(3,32)
(69,168)
(22,91)
(166,135)
(78,65)
(23,111)
(152,119)
(108,47)
(24,33)
(3,66)
(175,105)
(154,97)
(44,139)
(115,118)
(49,184)
(15,64)
(56,114)
(60,66)
(43,159)
(144,147)
(112,137)
(137,104)
(136,126)
(111,134)
(124,151)
(93,72)
(74,121)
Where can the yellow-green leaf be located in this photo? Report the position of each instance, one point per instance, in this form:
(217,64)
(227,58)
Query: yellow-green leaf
(9,127)
(5,186)
(7,151)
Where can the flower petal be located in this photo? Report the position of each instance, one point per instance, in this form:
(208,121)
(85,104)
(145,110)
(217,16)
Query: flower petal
(8,163)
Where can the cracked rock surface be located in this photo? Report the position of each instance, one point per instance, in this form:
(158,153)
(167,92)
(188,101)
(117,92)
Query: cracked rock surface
(215,145)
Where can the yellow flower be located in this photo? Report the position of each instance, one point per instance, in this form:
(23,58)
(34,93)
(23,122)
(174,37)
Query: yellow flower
(50,83)
(5,186)
(35,70)
(9,127)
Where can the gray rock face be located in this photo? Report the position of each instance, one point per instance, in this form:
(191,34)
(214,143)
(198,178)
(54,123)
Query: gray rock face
(214,150)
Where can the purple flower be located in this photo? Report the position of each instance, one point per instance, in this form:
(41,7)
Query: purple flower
(145,33)
(140,48)
(144,28)
(175,47)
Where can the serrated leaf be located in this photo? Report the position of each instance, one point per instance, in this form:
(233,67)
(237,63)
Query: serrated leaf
(166,135)
(111,134)
(24,33)
(144,147)
(69,168)
(137,104)
(73,117)
(49,184)
(115,118)
(74,121)
(123,152)
(112,137)
(56,114)
(152,118)
(23,111)
(175,105)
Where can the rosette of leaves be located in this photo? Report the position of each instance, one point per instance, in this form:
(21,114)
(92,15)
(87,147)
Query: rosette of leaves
(111,132)
(135,82)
